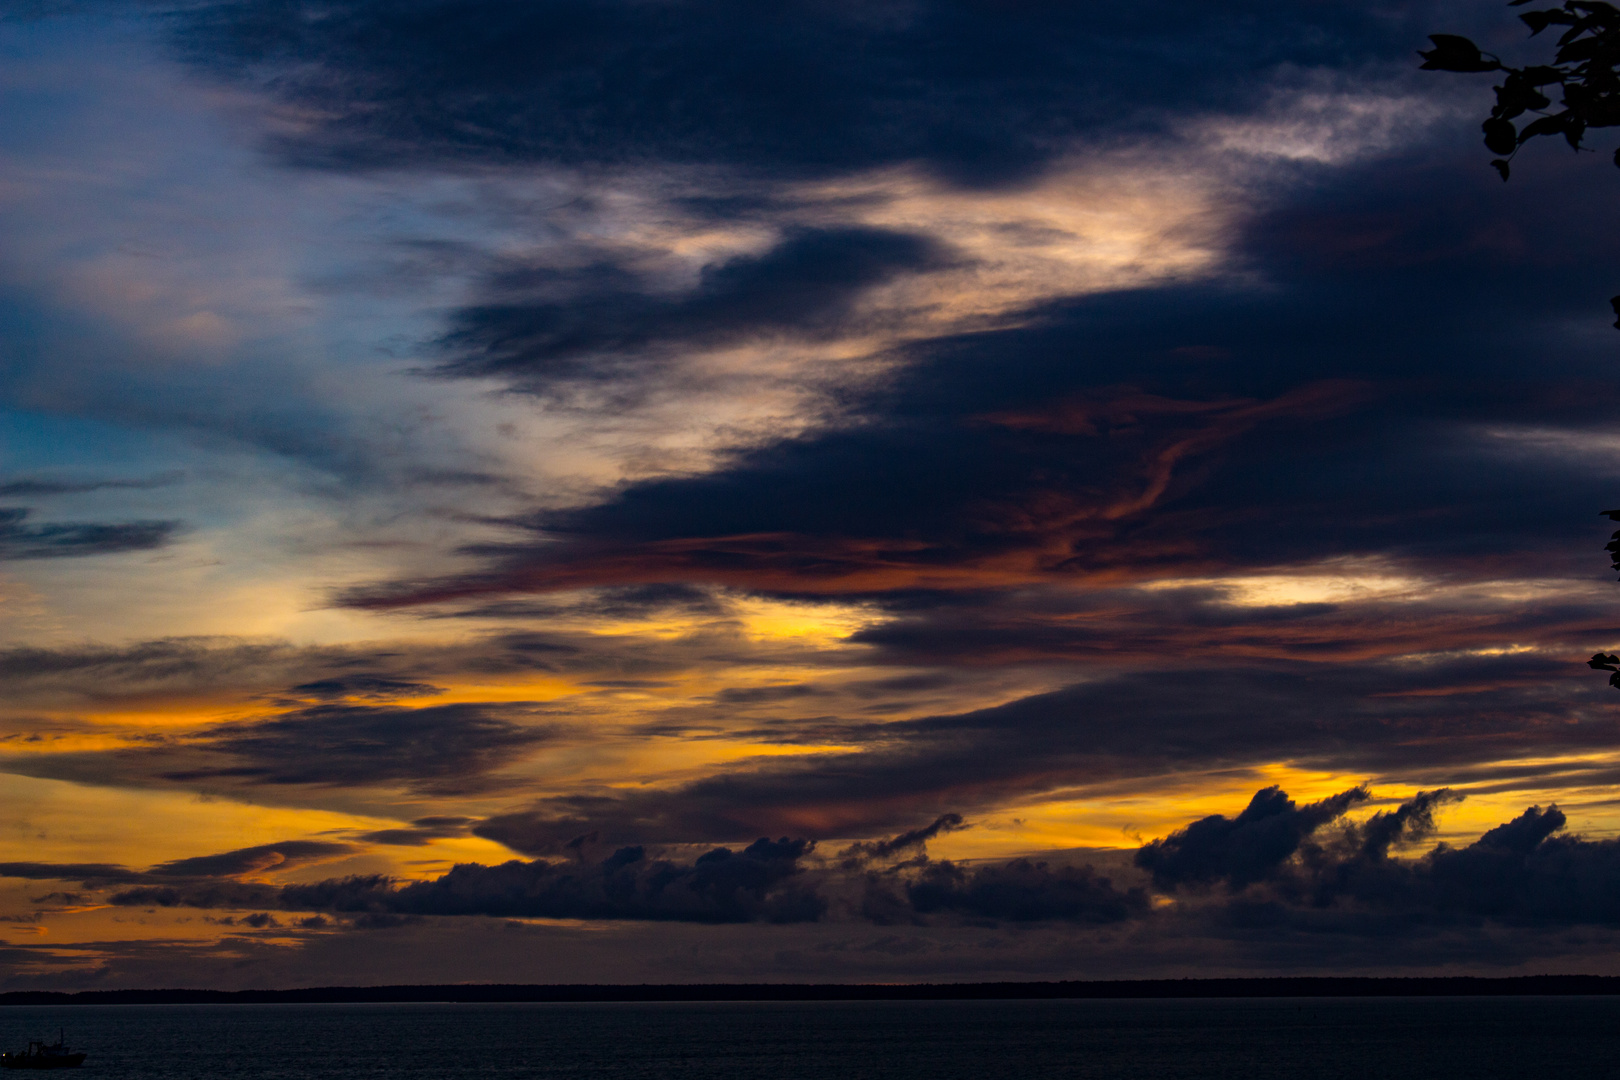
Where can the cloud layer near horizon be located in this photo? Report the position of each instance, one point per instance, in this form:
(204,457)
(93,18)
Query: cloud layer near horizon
(1295,871)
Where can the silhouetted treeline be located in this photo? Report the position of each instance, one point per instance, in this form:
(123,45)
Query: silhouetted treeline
(1457,986)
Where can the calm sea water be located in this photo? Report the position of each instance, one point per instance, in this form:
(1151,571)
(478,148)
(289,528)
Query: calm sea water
(1320,1039)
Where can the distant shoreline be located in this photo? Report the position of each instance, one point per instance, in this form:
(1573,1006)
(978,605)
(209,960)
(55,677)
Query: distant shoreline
(1305,987)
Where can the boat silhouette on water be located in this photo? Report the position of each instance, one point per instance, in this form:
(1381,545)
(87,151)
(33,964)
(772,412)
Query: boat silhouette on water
(41,1055)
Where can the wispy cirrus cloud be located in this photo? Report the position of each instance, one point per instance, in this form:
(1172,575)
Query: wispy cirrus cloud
(441,750)
(21,540)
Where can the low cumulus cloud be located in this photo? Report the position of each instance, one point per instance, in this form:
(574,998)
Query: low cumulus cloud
(1023,890)
(1277,861)
(1244,849)
(759,882)
(1522,873)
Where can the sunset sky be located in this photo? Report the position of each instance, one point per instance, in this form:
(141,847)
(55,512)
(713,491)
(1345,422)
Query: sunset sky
(471,469)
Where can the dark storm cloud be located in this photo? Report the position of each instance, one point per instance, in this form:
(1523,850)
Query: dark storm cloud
(1448,713)
(1243,849)
(968,478)
(990,628)
(21,540)
(1083,442)
(1312,871)
(765,881)
(1523,874)
(980,93)
(442,749)
(1344,878)
(1338,876)
(553,326)
(960,500)
(1187,428)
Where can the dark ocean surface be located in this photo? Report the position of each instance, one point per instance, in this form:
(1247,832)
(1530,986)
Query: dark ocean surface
(1241,1039)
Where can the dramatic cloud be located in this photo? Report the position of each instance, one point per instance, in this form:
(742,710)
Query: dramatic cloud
(805,286)
(959,435)
(979,93)
(1082,445)
(1457,714)
(766,881)
(1244,849)
(1517,874)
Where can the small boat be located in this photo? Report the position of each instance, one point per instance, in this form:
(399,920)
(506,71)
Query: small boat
(41,1055)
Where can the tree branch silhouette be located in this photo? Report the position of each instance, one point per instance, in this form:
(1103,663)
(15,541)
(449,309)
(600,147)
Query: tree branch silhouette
(1585,68)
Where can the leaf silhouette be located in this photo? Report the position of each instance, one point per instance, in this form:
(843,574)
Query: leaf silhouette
(1453,53)
(1500,136)
(1586,68)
